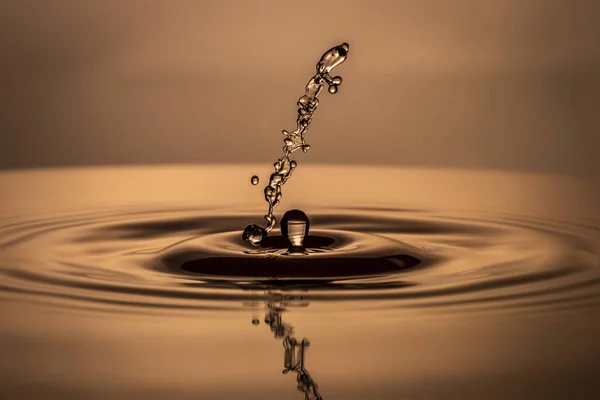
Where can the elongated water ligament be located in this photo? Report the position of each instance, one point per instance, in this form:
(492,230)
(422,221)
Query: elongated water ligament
(294,140)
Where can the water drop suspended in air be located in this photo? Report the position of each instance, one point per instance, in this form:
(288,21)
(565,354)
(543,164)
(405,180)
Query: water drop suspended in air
(254,180)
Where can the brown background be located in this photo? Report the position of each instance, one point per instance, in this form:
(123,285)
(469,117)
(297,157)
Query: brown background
(510,84)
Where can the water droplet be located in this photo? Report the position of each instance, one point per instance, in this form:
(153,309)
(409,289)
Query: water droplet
(294,227)
(293,164)
(254,180)
(254,234)
(333,89)
(333,58)
(255,321)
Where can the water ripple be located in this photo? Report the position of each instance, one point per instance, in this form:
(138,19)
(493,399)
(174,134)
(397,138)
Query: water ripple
(193,259)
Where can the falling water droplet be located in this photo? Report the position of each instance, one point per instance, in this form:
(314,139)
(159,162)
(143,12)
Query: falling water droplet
(294,227)
(254,180)
(255,321)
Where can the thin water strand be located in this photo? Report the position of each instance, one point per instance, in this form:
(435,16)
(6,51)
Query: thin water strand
(295,140)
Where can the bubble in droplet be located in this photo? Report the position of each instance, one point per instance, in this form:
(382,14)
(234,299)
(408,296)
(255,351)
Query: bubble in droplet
(255,321)
(254,234)
(294,227)
(254,180)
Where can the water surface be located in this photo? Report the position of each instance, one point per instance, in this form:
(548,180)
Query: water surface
(135,283)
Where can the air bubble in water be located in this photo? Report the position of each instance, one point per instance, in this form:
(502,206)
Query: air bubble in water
(254,180)
(294,227)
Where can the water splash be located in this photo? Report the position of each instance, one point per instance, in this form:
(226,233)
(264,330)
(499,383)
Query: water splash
(295,140)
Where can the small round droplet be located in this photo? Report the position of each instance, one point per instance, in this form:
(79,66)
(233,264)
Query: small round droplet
(294,227)
(254,234)
(255,321)
(254,180)
(293,164)
(333,89)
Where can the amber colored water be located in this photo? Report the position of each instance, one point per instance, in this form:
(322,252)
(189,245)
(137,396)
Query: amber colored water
(135,283)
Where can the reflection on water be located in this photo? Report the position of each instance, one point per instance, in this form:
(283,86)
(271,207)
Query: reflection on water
(295,351)
(422,284)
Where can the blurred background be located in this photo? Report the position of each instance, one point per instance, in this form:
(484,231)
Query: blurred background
(511,84)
